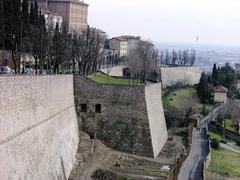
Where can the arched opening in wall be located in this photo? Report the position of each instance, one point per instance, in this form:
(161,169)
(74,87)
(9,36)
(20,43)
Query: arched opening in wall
(98,108)
(83,107)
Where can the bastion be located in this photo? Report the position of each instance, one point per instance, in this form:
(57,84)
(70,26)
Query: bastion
(126,118)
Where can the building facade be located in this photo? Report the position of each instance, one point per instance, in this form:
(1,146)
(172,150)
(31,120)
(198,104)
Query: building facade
(220,94)
(52,19)
(124,44)
(74,13)
(120,45)
(6,59)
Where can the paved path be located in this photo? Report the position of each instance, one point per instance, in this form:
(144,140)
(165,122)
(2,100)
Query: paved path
(192,168)
(229,147)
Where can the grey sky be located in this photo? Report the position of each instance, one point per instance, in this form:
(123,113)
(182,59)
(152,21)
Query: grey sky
(216,21)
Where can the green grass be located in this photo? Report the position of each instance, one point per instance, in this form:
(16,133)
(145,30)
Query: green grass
(218,137)
(105,79)
(181,98)
(230,125)
(225,161)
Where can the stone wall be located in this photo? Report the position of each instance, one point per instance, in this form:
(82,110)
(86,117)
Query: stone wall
(38,127)
(124,122)
(185,75)
(114,71)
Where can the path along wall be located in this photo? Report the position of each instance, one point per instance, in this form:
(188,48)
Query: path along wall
(131,118)
(185,75)
(38,127)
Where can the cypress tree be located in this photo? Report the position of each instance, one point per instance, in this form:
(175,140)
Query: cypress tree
(215,75)
(36,14)
(25,12)
(32,18)
(203,89)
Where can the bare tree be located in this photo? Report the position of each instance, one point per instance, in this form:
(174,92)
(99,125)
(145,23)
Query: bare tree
(142,59)
(91,43)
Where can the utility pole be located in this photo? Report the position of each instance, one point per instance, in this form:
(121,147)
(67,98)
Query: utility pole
(3,29)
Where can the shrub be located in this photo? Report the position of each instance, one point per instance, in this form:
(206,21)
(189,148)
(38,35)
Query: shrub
(204,110)
(223,141)
(238,143)
(215,144)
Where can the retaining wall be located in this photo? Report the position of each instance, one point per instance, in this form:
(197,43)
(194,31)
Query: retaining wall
(114,71)
(185,75)
(38,127)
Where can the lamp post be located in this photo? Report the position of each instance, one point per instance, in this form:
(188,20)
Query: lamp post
(3,29)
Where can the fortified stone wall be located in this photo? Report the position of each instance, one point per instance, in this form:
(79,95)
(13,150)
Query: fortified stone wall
(114,71)
(38,127)
(186,75)
(124,122)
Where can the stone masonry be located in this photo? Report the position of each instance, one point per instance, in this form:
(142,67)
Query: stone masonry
(124,122)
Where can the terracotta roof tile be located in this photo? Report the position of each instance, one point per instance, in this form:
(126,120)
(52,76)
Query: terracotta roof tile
(220,89)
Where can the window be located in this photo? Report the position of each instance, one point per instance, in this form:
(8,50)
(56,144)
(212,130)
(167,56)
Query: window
(83,107)
(98,108)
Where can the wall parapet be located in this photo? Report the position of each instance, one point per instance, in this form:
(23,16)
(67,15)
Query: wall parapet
(180,75)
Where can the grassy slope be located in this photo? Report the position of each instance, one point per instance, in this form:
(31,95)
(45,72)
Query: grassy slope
(104,79)
(219,137)
(180,97)
(225,161)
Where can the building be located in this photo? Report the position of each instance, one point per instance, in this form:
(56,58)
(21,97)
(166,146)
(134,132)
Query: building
(132,42)
(220,94)
(51,18)
(110,58)
(6,60)
(124,44)
(74,13)
(119,44)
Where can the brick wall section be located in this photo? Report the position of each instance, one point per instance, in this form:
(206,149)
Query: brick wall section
(38,127)
(123,123)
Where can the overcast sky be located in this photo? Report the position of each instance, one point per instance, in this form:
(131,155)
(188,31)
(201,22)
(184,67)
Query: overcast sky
(216,21)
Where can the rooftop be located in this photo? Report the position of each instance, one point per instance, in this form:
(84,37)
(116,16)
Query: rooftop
(220,89)
(70,1)
(126,37)
(238,81)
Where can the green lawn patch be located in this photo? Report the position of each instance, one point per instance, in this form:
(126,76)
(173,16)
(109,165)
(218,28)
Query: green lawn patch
(230,125)
(225,162)
(218,137)
(181,98)
(105,79)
